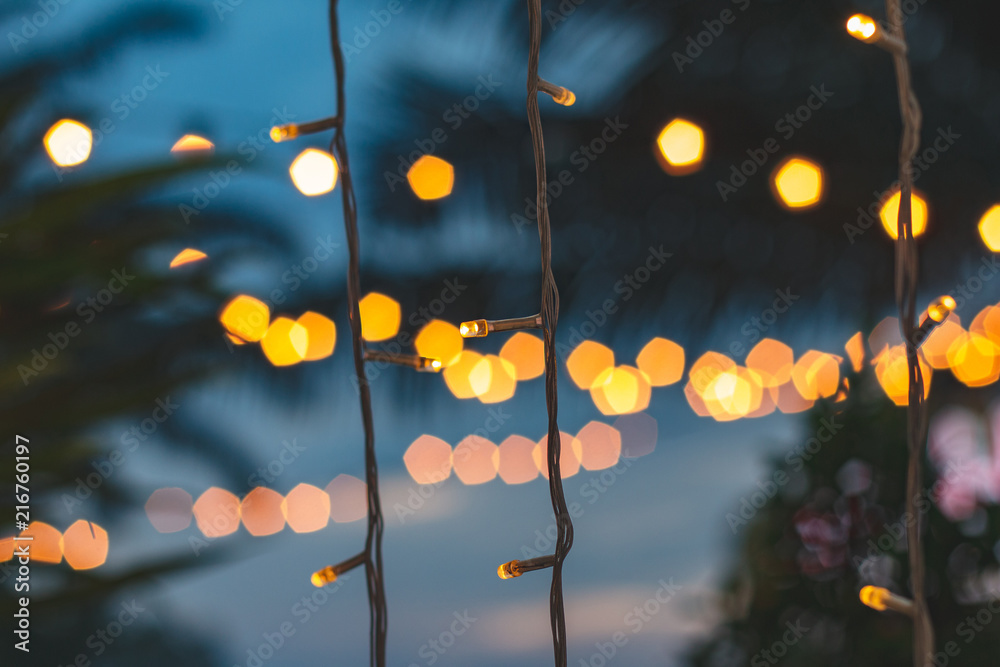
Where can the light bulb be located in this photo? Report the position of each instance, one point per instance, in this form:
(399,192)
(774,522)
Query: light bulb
(565,97)
(941,308)
(327,575)
(874,597)
(509,570)
(863,27)
(281,133)
(474,329)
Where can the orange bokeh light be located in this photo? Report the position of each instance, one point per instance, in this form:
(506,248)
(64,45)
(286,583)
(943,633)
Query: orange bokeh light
(662,361)
(621,390)
(246,318)
(321,335)
(348,498)
(772,360)
(974,360)
(516,463)
(428,460)
(569,455)
(526,353)
(46,543)
(85,545)
(587,362)
(217,512)
(456,376)
(600,445)
(893,374)
(431,177)
(889,214)
(306,508)
(681,146)
(475,460)
(797,183)
(380,317)
(187,256)
(855,348)
(285,343)
(816,375)
(192,143)
(935,347)
(170,509)
(440,340)
(493,379)
(262,513)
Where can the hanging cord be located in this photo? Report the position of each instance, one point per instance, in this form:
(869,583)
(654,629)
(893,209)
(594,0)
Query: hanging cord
(550,318)
(373,541)
(907,266)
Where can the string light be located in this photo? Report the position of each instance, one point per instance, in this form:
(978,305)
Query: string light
(480,328)
(560,95)
(516,568)
(291,131)
(906,277)
(881,599)
(425,364)
(865,28)
(329,574)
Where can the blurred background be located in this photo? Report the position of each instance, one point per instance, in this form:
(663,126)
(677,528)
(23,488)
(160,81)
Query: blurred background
(718,182)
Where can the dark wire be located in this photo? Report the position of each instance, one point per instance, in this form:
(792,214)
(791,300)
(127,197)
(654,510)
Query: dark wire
(373,541)
(907,266)
(550,318)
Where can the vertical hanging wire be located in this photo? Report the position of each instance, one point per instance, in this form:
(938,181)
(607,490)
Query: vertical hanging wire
(907,268)
(373,540)
(550,318)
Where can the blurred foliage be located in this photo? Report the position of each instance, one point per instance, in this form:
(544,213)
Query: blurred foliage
(827,520)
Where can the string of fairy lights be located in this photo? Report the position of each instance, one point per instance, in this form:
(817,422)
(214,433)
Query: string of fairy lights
(312,336)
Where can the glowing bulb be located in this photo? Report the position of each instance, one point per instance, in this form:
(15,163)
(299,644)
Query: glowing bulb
(431,177)
(314,172)
(798,183)
(682,146)
(874,597)
(941,308)
(863,27)
(68,143)
(327,575)
(187,256)
(191,143)
(890,214)
(989,228)
(509,570)
(474,329)
(281,133)
(565,97)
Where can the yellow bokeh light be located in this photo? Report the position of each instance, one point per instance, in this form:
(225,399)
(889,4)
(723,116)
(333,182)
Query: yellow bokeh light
(733,394)
(457,375)
(516,463)
(662,361)
(262,513)
(798,183)
(217,512)
(431,177)
(192,143)
(883,336)
(246,317)
(187,256)
(526,353)
(493,379)
(314,172)
(621,390)
(706,368)
(85,545)
(306,508)
(46,543)
(789,400)
(816,375)
(989,228)
(682,147)
(440,340)
(600,445)
(893,374)
(285,342)
(475,460)
(428,460)
(889,214)
(321,335)
(569,455)
(862,27)
(974,360)
(169,509)
(772,360)
(587,362)
(68,143)
(380,317)
(987,323)
(935,347)
(855,348)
